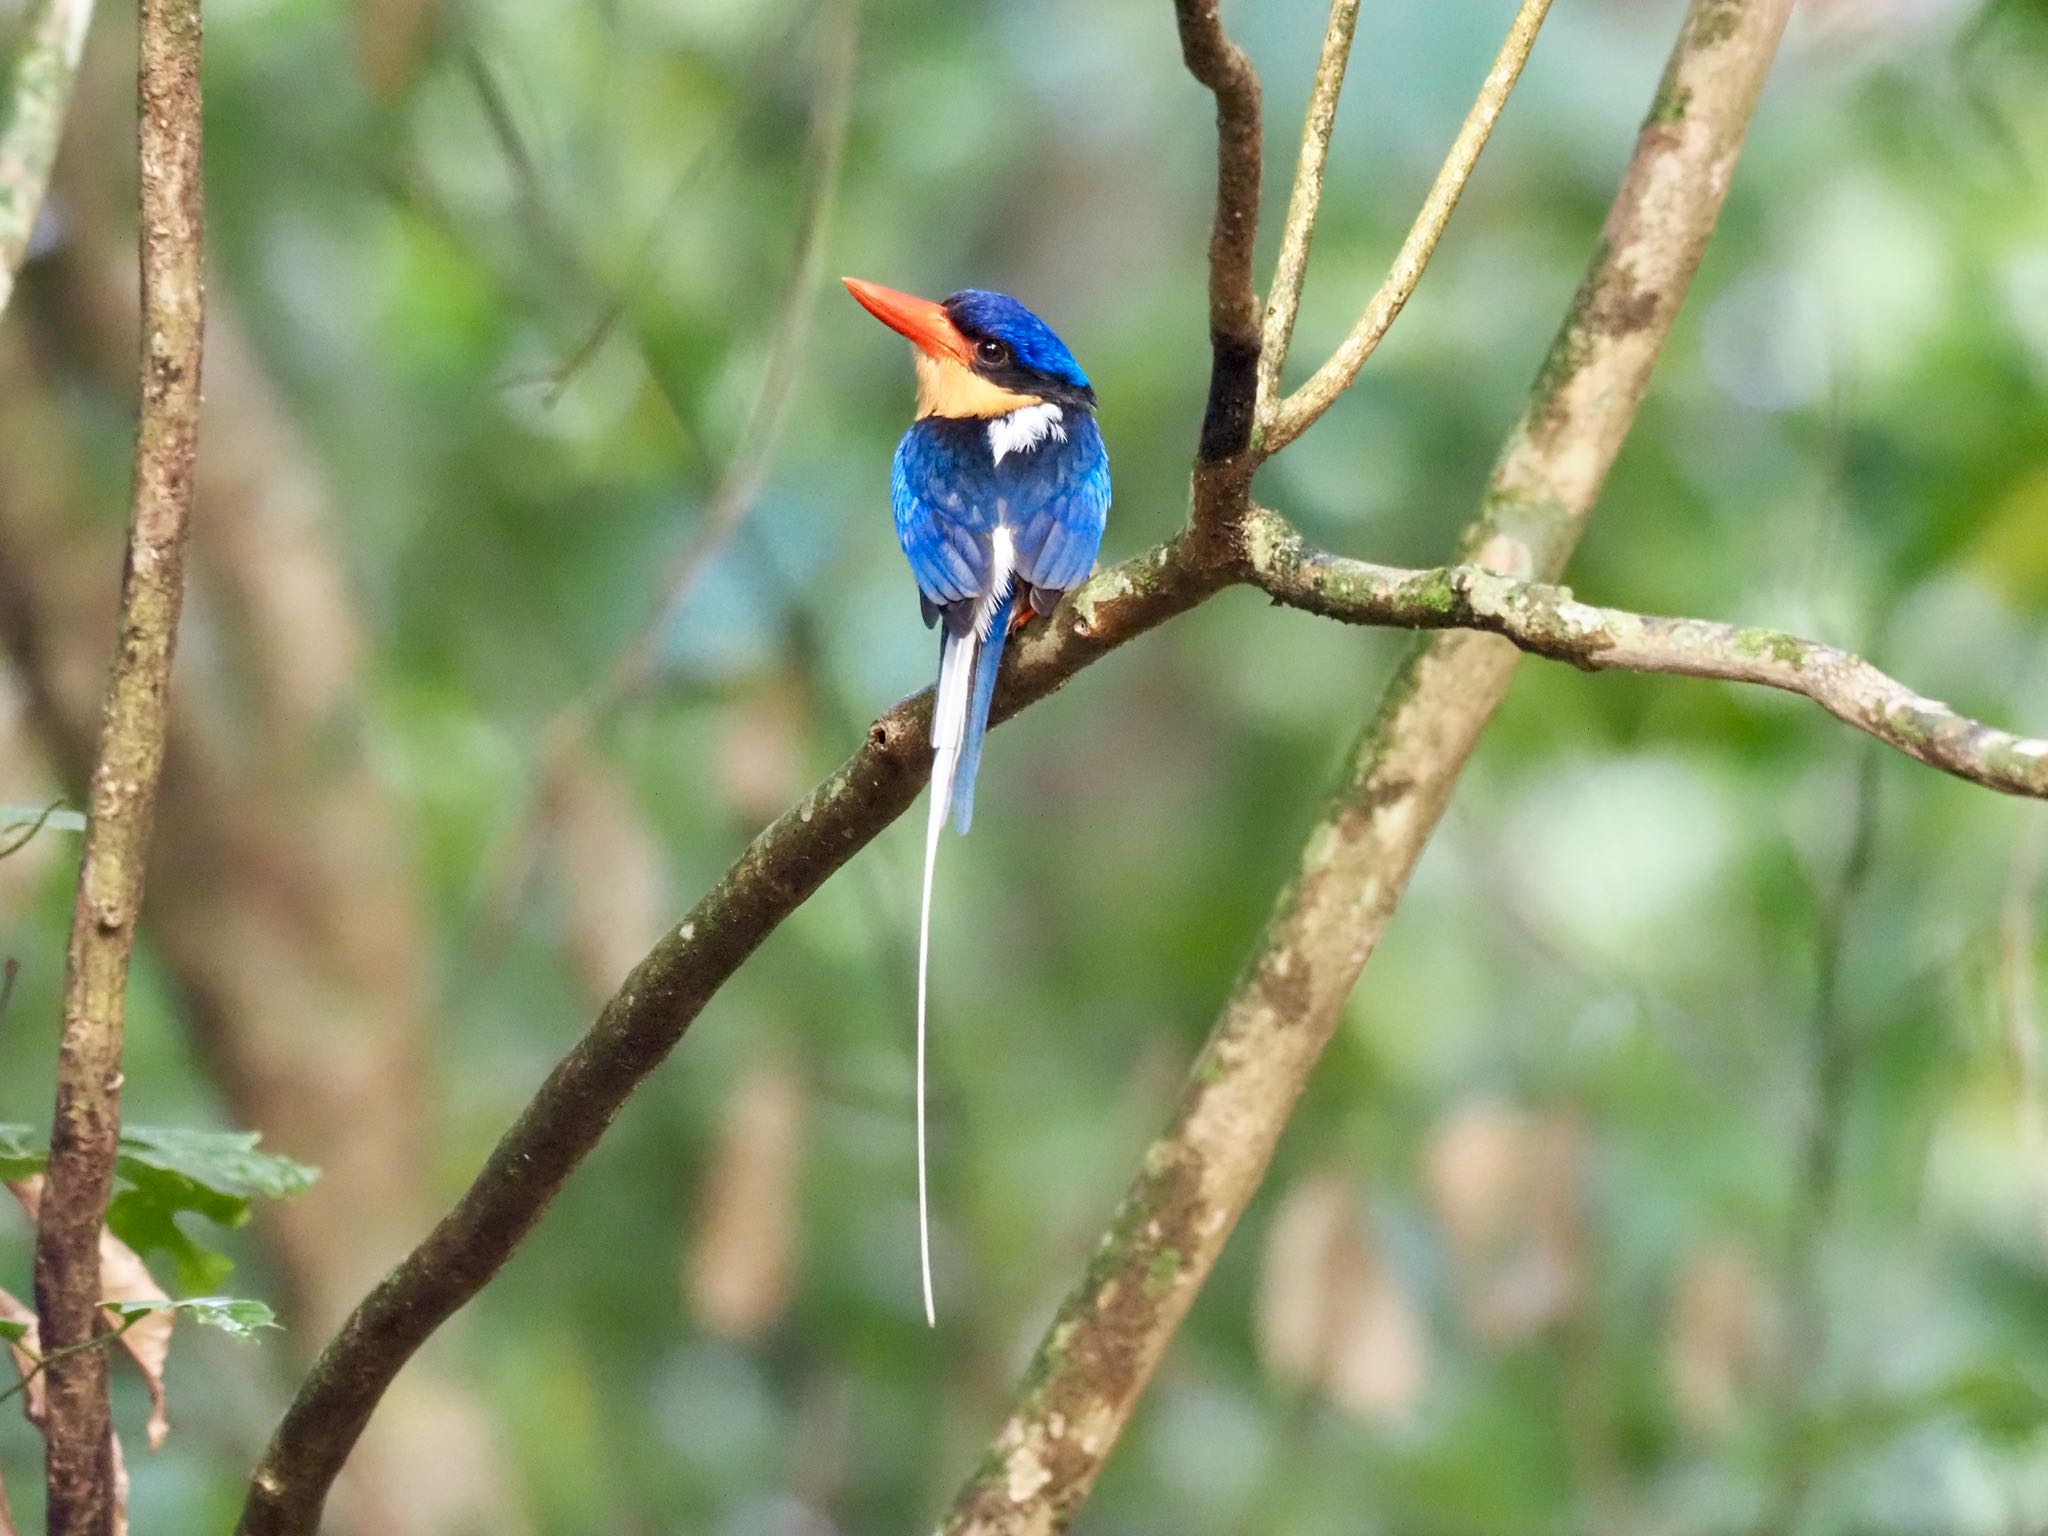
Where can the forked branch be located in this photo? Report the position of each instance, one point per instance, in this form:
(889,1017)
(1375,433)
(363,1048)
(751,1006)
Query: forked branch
(1293,416)
(1306,200)
(1200,1173)
(1203,1169)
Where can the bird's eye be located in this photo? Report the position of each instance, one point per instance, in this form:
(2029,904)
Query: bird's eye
(993,353)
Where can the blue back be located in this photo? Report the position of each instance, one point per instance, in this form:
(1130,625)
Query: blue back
(949,495)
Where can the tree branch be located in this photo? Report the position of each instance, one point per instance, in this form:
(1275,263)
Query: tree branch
(37,92)
(1198,1176)
(1294,415)
(79,1471)
(1546,620)
(1217,62)
(1305,200)
(779,871)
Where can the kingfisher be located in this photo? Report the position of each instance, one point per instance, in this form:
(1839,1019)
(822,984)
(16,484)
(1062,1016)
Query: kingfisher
(1000,490)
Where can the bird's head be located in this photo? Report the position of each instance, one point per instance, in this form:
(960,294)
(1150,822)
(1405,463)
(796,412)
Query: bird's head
(979,354)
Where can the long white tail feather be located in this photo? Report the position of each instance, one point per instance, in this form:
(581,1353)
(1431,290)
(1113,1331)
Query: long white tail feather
(949,733)
(949,729)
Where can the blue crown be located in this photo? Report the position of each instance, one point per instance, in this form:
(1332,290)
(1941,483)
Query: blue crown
(1031,341)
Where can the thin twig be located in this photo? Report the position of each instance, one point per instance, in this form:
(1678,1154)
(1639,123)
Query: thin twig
(740,486)
(1293,415)
(41,1362)
(1199,1175)
(1305,201)
(1816,1195)
(79,1470)
(555,235)
(564,737)
(36,94)
(555,238)
(30,829)
(1548,621)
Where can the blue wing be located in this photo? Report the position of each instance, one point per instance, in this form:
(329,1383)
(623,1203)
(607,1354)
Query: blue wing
(1059,507)
(945,516)
(949,494)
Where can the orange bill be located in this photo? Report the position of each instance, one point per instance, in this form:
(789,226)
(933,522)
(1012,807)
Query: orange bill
(927,324)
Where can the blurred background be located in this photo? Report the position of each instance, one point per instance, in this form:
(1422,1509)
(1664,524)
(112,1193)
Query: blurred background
(1681,1164)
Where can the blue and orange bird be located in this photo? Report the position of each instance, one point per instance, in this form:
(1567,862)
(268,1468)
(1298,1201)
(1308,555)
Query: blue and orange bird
(1000,488)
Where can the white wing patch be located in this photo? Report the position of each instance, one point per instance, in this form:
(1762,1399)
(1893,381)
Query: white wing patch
(1023,430)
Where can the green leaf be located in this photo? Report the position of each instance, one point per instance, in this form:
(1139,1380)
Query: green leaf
(148,1225)
(13,1333)
(165,1171)
(237,1315)
(223,1164)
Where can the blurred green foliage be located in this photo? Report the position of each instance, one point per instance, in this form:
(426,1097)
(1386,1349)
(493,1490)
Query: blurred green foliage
(1690,1114)
(161,1174)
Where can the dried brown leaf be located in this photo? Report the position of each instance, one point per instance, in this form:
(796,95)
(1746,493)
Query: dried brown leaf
(1332,1316)
(1720,1334)
(615,886)
(124,1277)
(760,761)
(740,1273)
(1507,1186)
(147,1341)
(120,1486)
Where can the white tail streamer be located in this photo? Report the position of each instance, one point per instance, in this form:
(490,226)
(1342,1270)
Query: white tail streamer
(949,730)
(950,703)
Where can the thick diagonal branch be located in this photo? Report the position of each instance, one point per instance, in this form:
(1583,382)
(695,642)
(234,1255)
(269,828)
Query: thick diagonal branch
(778,872)
(80,1474)
(1201,1172)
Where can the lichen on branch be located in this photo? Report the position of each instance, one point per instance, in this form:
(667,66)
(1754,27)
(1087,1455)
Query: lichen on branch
(1202,1170)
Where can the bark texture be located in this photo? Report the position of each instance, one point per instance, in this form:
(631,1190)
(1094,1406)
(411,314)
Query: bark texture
(122,796)
(1198,1176)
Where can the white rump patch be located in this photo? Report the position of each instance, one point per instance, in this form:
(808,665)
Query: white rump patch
(1002,566)
(1023,430)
